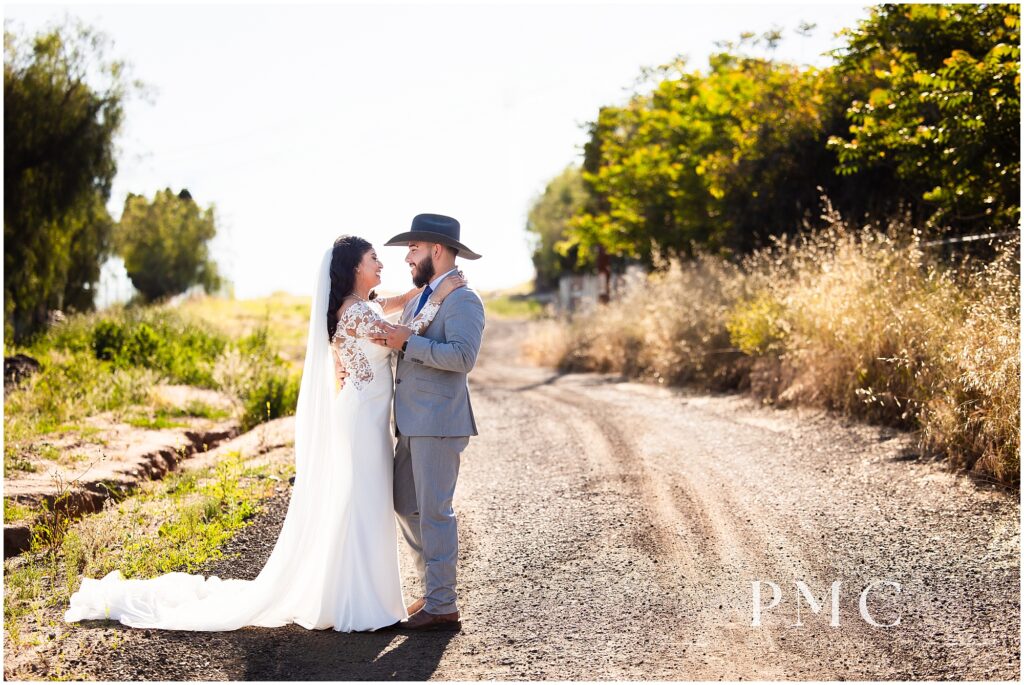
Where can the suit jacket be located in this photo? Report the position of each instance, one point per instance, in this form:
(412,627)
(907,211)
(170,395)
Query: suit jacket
(431,378)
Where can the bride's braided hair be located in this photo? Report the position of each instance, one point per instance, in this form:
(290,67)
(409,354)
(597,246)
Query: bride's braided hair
(348,252)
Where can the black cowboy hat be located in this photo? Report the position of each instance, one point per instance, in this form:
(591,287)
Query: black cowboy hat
(434,228)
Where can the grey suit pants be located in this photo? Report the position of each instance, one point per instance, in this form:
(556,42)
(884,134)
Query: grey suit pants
(426,469)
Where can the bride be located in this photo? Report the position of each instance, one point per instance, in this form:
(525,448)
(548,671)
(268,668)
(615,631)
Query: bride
(335,562)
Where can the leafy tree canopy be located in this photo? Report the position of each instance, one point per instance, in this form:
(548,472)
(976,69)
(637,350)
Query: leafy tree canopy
(944,112)
(62,109)
(919,116)
(548,222)
(165,244)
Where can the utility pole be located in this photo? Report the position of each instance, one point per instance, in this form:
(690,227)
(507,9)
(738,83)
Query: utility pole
(604,276)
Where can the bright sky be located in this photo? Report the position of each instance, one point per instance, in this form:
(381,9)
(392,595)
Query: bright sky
(302,123)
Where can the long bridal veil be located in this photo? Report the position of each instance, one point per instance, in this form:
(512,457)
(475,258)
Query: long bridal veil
(300,580)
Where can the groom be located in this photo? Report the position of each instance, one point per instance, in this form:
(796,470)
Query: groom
(433,415)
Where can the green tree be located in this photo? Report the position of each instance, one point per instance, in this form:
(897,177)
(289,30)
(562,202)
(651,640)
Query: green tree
(640,168)
(164,244)
(548,222)
(944,110)
(91,230)
(728,159)
(720,161)
(58,167)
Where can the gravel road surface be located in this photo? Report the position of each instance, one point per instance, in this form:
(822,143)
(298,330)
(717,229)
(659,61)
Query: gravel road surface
(612,530)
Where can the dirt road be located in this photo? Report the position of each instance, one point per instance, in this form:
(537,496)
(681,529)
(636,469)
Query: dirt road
(612,530)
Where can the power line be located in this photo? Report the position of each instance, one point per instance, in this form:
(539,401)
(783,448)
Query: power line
(968,238)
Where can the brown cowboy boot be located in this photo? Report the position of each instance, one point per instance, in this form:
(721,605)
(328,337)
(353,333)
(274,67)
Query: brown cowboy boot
(416,606)
(424,620)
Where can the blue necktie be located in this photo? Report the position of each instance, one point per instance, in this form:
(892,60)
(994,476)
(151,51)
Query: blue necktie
(423,300)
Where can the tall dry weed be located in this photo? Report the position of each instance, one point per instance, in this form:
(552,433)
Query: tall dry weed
(547,342)
(975,420)
(868,322)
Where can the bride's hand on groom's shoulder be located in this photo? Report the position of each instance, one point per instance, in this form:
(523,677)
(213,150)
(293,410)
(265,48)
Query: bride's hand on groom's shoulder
(451,284)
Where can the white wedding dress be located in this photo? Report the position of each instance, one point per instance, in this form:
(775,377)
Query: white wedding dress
(335,562)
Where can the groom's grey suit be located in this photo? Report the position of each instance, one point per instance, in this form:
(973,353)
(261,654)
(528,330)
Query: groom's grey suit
(433,421)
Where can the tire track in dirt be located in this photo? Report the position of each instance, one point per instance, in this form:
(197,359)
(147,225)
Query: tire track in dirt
(699,540)
(610,530)
(706,533)
(736,492)
(803,503)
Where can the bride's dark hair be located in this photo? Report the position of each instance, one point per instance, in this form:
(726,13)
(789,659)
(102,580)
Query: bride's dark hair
(348,252)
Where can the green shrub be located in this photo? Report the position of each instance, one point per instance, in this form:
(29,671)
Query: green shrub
(141,348)
(256,343)
(108,339)
(158,338)
(757,326)
(274,395)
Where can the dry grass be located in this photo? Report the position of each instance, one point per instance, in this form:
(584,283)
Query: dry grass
(547,343)
(285,317)
(862,321)
(977,418)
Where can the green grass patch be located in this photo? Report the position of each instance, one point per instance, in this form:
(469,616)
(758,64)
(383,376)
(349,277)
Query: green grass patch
(15,464)
(108,361)
(164,417)
(757,326)
(155,422)
(15,511)
(176,524)
(48,452)
(84,431)
(514,307)
(195,408)
(180,348)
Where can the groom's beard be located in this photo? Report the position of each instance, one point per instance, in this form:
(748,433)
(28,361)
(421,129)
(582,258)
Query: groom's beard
(423,272)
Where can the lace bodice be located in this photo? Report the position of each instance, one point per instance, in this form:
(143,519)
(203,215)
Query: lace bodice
(360,322)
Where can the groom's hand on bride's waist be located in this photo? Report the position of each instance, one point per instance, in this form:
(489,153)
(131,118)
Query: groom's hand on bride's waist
(395,337)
